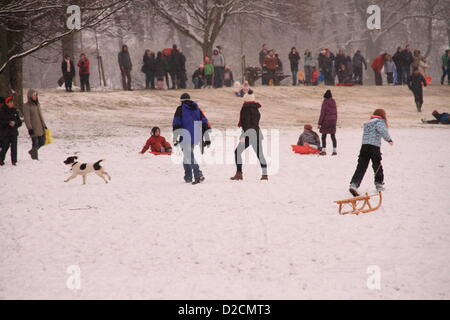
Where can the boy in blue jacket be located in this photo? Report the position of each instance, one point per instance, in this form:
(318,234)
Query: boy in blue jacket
(190,128)
(374,130)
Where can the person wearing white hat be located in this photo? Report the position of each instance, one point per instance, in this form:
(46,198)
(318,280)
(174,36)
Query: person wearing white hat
(251,135)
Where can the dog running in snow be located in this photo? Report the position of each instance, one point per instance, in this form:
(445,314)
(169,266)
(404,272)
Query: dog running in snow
(84,169)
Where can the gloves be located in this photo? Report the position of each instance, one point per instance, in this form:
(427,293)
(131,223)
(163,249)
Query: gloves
(206,143)
(31,132)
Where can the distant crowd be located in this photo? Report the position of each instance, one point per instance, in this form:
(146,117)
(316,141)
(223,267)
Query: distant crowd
(343,69)
(166,69)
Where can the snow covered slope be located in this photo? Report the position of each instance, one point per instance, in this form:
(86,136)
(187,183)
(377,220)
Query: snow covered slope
(149,235)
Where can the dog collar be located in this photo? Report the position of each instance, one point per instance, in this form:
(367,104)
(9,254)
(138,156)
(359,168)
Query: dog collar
(74,163)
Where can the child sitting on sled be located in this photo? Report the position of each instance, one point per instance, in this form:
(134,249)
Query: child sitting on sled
(157,143)
(244,89)
(309,138)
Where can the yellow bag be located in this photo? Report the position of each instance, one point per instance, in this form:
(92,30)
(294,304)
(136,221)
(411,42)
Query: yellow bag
(48,136)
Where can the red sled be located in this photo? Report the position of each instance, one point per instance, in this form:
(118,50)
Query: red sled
(428,80)
(161,153)
(345,84)
(306,149)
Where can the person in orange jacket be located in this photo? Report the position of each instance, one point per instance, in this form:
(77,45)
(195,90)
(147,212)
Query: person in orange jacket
(377,66)
(156,143)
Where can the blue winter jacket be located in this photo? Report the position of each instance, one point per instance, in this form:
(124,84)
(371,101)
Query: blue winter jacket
(189,117)
(374,130)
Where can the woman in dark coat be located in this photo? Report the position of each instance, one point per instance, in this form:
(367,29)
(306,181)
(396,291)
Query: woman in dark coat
(160,72)
(68,71)
(149,69)
(9,124)
(327,122)
(294,59)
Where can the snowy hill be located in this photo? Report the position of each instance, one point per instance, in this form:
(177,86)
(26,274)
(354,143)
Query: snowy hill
(148,235)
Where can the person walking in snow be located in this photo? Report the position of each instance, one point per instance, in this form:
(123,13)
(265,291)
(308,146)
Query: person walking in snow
(416,83)
(327,122)
(35,123)
(251,135)
(9,125)
(374,129)
(190,128)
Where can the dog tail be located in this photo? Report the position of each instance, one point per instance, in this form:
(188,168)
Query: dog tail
(97,165)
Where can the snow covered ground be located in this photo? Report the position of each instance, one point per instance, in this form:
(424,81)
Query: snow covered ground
(148,235)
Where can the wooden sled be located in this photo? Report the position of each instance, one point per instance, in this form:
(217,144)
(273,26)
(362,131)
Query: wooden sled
(364,208)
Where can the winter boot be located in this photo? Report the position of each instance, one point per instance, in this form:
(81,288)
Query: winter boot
(198,180)
(323,153)
(265,177)
(334,152)
(419,106)
(379,187)
(2,163)
(353,190)
(238,176)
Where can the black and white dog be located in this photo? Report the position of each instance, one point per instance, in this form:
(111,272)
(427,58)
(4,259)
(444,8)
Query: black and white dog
(83,169)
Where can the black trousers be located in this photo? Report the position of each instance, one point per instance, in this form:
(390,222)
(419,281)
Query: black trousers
(6,142)
(358,75)
(256,143)
(445,73)
(84,82)
(390,77)
(36,144)
(378,78)
(418,95)
(368,153)
(68,81)
(149,80)
(324,140)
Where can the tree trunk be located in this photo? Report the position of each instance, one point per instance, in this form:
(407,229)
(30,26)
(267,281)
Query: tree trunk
(207,49)
(5,89)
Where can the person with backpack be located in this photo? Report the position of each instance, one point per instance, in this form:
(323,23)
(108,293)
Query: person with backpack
(9,125)
(374,129)
(251,136)
(190,129)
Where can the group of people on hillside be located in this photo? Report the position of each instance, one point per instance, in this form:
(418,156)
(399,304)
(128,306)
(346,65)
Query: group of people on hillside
(68,72)
(11,120)
(165,64)
(347,69)
(213,72)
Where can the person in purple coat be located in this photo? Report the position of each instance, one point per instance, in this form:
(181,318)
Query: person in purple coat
(327,122)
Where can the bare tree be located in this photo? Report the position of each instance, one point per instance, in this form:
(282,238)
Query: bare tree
(27,26)
(202,21)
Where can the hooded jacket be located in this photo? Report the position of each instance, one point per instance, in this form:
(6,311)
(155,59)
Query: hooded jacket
(374,130)
(250,116)
(33,116)
(189,117)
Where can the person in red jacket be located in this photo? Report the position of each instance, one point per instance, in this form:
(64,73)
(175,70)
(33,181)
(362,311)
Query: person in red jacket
(84,72)
(156,143)
(377,66)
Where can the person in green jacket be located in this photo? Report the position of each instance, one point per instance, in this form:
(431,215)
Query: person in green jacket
(308,66)
(445,71)
(209,72)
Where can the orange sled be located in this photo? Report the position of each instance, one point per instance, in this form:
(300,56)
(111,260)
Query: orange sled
(356,206)
(306,149)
